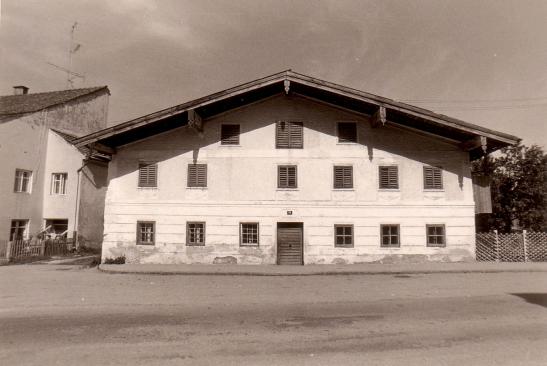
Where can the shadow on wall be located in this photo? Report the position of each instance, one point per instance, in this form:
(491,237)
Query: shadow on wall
(534,298)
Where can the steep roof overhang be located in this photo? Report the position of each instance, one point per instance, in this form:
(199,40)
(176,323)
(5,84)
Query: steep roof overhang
(473,138)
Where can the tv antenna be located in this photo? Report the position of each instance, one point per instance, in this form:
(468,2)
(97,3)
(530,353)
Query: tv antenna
(73,48)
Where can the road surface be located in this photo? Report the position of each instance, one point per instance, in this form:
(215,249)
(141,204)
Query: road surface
(65,315)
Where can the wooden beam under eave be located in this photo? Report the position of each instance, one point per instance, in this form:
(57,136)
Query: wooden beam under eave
(194,120)
(103,149)
(475,142)
(379,118)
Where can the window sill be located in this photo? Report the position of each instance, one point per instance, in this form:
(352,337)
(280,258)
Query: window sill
(389,190)
(249,246)
(58,194)
(435,246)
(197,188)
(287,189)
(433,190)
(21,192)
(147,188)
(229,145)
(347,143)
(344,247)
(195,245)
(144,245)
(399,247)
(343,189)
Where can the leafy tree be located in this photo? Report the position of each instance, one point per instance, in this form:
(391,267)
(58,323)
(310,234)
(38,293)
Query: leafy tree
(518,185)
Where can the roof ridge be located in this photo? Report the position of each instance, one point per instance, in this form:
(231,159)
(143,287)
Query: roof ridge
(55,91)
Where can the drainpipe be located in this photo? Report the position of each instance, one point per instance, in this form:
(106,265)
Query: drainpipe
(77,208)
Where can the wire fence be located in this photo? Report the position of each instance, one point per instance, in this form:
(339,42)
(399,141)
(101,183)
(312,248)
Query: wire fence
(527,246)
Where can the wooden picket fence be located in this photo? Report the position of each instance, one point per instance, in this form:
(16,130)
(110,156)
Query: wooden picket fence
(527,246)
(25,248)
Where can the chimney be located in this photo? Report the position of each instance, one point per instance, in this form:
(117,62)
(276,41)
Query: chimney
(20,90)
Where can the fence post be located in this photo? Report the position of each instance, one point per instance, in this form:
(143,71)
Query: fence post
(8,251)
(42,247)
(524,244)
(497,246)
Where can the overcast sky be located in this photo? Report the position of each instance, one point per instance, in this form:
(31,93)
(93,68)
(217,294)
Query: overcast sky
(481,61)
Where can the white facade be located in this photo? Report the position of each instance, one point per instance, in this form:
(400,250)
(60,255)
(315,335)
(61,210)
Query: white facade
(242,187)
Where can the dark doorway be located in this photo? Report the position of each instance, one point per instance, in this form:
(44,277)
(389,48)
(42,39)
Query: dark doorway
(290,243)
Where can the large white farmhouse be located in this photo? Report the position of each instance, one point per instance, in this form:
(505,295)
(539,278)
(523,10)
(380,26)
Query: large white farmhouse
(289,169)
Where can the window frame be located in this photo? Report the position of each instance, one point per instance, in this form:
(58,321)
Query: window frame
(433,168)
(279,167)
(16,227)
(340,141)
(392,166)
(390,235)
(139,233)
(231,125)
(343,187)
(195,244)
(195,182)
(241,242)
(289,142)
(62,183)
(352,236)
(148,185)
(19,181)
(428,236)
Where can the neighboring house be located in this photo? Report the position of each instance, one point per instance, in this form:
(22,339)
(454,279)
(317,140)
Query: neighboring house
(46,187)
(289,169)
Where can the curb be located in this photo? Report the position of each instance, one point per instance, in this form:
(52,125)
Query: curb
(318,273)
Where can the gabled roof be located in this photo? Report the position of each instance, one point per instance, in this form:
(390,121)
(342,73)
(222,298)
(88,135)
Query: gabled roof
(401,114)
(34,102)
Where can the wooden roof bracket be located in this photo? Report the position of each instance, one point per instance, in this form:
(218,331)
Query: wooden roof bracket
(379,117)
(102,149)
(195,121)
(287,86)
(475,142)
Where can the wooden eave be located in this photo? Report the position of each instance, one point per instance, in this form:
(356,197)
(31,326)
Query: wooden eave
(289,82)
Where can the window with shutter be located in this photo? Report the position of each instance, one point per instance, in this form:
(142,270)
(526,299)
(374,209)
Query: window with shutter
(229,134)
(289,135)
(433,177)
(197,175)
(435,235)
(343,177)
(146,232)
(389,236)
(286,176)
(148,175)
(347,132)
(343,236)
(248,234)
(389,177)
(195,233)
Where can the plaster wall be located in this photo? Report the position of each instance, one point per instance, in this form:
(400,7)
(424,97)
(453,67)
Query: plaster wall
(242,187)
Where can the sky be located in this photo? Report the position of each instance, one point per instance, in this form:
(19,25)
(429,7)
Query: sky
(481,61)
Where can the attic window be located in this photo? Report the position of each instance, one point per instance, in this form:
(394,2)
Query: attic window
(347,132)
(229,134)
(289,135)
(286,176)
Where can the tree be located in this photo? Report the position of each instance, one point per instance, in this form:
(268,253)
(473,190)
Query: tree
(518,185)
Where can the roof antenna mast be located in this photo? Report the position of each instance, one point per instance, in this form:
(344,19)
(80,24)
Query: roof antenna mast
(73,48)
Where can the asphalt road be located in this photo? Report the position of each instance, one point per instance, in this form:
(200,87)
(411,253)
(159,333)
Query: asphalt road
(63,315)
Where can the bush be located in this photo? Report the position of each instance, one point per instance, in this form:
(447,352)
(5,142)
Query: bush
(117,260)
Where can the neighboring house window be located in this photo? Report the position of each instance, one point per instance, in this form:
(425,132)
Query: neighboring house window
(229,134)
(195,233)
(289,135)
(58,183)
(248,234)
(389,177)
(435,235)
(343,177)
(146,232)
(148,175)
(22,180)
(343,236)
(286,176)
(18,230)
(347,132)
(390,236)
(433,177)
(197,175)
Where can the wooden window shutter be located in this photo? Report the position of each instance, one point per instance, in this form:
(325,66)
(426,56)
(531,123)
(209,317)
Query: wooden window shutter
(433,178)
(287,177)
(229,134)
(389,177)
(148,175)
(347,132)
(289,135)
(343,177)
(197,175)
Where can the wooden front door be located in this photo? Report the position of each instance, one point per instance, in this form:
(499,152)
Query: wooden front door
(289,243)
